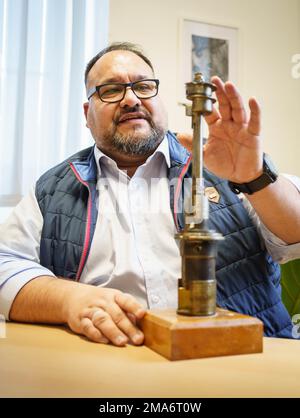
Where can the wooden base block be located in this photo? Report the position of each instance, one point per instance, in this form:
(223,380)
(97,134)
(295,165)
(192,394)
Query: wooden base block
(179,337)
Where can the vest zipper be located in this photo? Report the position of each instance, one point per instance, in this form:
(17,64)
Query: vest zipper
(178,188)
(86,244)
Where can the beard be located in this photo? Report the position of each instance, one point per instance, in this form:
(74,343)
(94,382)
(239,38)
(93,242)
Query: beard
(134,142)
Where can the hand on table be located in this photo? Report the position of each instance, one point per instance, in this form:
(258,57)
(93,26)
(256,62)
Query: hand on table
(105,315)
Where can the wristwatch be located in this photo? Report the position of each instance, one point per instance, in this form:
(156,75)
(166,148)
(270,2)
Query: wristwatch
(268,176)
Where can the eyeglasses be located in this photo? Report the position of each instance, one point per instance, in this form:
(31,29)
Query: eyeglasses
(115,92)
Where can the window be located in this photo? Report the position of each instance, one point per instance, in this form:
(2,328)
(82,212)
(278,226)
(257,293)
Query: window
(44,48)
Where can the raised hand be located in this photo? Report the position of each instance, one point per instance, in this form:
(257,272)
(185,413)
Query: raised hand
(233,150)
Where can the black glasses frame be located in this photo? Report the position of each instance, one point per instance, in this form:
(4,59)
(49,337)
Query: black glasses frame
(95,89)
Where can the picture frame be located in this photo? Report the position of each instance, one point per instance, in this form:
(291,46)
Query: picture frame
(207,48)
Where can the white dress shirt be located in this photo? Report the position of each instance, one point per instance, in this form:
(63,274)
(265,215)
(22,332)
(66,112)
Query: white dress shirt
(133,231)
(133,247)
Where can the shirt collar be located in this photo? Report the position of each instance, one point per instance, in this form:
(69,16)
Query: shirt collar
(162,149)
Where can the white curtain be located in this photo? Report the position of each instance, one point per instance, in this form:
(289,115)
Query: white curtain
(44,48)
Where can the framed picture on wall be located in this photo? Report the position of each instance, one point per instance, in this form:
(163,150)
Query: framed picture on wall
(209,49)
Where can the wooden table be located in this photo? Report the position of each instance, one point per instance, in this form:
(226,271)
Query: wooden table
(48,361)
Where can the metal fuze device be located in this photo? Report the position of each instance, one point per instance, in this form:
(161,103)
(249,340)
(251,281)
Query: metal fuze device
(197,328)
(198,243)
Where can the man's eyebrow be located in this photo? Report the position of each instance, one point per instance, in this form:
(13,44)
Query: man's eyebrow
(117,79)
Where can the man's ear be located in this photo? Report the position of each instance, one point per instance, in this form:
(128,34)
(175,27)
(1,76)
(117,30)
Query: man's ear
(85,109)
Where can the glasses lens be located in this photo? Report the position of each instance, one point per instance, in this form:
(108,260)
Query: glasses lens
(145,89)
(111,92)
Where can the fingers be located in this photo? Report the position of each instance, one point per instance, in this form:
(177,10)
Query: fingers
(91,332)
(132,318)
(213,117)
(115,320)
(224,103)
(105,324)
(238,112)
(106,315)
(121,320)
(254,125)
(98,326)
(230,101)
(130,305)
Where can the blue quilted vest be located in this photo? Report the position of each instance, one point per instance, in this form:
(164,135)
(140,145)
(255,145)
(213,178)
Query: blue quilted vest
(248,280)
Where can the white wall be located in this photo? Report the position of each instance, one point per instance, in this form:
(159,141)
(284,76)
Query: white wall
(269,35)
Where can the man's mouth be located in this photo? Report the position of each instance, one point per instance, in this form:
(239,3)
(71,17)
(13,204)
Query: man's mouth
(131,116)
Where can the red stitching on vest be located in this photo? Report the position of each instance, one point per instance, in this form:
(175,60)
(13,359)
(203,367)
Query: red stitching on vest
(88,226)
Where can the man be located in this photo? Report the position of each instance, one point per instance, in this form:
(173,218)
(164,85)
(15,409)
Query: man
(87,249)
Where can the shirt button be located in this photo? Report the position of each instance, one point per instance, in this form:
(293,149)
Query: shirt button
(155,299)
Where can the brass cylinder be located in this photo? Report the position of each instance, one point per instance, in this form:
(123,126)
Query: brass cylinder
(198,244)
(200,300)
(197,288)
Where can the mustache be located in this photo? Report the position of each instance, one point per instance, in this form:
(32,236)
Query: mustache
(136,111)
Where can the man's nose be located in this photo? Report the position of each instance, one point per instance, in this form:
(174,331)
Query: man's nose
(130,99)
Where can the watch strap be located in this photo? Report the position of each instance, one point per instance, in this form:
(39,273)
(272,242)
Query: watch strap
(266,178)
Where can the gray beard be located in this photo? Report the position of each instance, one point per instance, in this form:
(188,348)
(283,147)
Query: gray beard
(131,145)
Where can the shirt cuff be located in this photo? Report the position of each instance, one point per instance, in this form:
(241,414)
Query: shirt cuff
(10,289)
(281,251)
